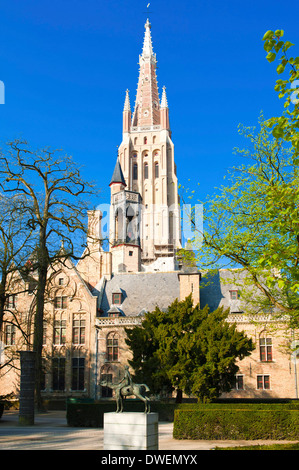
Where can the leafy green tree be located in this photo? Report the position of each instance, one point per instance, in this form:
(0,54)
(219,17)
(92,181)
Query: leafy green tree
(253,221)
(285,127)
(252,224)
(190,348)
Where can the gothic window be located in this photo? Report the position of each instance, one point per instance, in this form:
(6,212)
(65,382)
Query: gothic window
(79,329)
(112,346)
(78,368)
(135,171)
(266,349)
(156,170)
(145,171)
(58,373)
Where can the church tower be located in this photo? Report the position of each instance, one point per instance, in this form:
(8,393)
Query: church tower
(146,160)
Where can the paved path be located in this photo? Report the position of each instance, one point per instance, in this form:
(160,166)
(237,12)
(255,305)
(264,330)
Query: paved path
(51,432)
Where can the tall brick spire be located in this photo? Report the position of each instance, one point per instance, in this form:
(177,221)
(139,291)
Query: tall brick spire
(147,108)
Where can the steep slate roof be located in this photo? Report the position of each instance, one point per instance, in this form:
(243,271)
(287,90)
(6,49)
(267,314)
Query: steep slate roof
(118,176)
(141,291)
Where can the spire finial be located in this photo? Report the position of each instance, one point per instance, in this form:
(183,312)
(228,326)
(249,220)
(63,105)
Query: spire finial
(147,43)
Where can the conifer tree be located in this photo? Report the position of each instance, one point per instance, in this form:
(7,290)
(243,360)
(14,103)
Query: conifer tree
(188,348)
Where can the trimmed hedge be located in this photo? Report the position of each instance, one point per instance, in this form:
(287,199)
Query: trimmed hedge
(87,413)
(80,414)
(233,423)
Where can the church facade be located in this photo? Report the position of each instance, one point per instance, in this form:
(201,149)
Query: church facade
(90,304)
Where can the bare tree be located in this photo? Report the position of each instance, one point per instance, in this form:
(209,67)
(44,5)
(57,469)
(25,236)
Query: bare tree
(15,245)
(55,204)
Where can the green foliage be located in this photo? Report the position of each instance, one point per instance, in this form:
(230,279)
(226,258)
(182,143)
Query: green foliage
(285,126)
(189,349)
(236,423)
(252,224)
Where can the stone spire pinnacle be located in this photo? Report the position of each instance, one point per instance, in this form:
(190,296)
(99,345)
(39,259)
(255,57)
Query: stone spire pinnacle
(147,52)
(164,103)
(147,106)
(127,106)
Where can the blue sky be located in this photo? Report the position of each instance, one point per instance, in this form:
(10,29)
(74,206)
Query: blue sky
(66,65)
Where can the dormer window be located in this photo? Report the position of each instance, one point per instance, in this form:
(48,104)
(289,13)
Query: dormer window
(234,295)
(116,298)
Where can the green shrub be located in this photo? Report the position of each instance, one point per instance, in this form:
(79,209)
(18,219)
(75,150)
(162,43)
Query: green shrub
(246,422)
(88,413)
(84,414)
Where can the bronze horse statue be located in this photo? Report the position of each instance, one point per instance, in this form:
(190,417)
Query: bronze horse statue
(127,388)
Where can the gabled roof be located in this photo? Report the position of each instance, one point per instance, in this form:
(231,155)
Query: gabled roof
(118,176)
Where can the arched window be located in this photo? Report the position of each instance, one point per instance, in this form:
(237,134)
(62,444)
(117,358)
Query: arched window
(145,171)
(156,170)
(112,346)
(135,171)
(145,140)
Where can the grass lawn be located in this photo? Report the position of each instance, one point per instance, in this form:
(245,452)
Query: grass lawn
(292,446)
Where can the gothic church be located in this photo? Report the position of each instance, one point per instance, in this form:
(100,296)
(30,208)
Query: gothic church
(90,304)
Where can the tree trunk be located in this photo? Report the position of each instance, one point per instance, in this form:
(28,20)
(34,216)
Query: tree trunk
(179,396)
(38,322)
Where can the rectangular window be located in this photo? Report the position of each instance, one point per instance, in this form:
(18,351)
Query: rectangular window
(266,349)
(78,367)
(116,299)
(60,302)
(59,331)
(43,375)
(44,332)
(10,335)
(106,392)
(79,329)
(58,373)
(233,294)
(112,348)
(11,301)
(263,382)
(239,382)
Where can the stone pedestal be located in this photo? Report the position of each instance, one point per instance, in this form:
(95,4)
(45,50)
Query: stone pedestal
(27,385)
(131,431)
